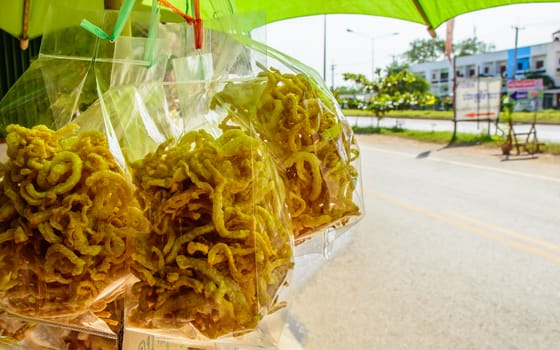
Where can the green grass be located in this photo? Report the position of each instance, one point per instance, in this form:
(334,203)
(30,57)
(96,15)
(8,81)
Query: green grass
(444,137)
(544,116)
(552,148)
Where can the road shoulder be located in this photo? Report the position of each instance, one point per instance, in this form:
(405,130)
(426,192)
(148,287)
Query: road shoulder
(489,155)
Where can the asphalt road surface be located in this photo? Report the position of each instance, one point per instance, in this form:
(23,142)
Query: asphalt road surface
(458,250)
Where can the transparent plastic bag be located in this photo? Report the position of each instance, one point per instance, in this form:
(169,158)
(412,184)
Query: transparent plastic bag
(68,216)
(18,334)
(68,209)
(219,253)
(313,144)
(220,249)
(74,66)
(12,331)
(47,337)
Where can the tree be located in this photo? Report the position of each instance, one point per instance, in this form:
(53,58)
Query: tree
(425,50)
(345,90)
(471,46)
(548,82)
(396,67)
(429,50)
(394,91)
(346,96)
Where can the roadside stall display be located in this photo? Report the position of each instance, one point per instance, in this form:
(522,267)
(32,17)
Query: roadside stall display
(69,214)
(159,191)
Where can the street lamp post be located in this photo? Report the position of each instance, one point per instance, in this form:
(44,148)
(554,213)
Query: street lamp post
(372,40)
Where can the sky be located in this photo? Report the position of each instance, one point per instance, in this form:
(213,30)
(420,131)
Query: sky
(302,38)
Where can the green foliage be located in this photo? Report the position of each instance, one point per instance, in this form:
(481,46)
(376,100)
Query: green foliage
(397,90)
(425,50)
(548,82)
(346,90)
(432,136)
(552,148)
(544,116)
(396,67)
(429,50)
(471,46)
(345,96)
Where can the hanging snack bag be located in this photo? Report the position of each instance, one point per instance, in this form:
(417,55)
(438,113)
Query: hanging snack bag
(218,255)
(313,144)
(219,249)
(69,215)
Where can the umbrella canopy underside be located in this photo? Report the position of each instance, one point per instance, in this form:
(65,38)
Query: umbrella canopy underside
(432,13)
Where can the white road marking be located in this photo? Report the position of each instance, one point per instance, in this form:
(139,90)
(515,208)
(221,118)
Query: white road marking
(464,164)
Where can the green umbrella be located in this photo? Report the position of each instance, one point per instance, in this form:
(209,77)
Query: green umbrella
(14,13)
(432,13)
(25,18)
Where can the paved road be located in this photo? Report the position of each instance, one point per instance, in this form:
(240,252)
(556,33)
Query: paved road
(545,132)
(458,250)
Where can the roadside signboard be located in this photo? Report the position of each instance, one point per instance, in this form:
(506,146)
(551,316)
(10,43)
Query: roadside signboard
(478,98)
(527,94)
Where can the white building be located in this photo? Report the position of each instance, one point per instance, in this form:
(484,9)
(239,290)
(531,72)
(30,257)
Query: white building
(541,58)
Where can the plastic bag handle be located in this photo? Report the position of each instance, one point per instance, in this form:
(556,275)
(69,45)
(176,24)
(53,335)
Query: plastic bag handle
(124,14)
(195,21)
(152,33)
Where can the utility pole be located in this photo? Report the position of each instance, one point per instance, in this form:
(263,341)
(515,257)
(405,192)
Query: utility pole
(332,77)
(454,100)
(325,48)
(514,68)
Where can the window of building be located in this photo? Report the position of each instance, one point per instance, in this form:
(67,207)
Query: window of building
(539,64)
(519,65)
(471,72)
(486,70)
(444,75)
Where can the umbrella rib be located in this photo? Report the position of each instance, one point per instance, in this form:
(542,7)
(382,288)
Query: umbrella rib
(425,18)
(24,40)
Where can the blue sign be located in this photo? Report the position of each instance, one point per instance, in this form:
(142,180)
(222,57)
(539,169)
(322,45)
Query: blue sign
(519,95)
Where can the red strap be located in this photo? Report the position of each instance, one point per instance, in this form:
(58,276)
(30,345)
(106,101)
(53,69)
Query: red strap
(198,32)
(195,22)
